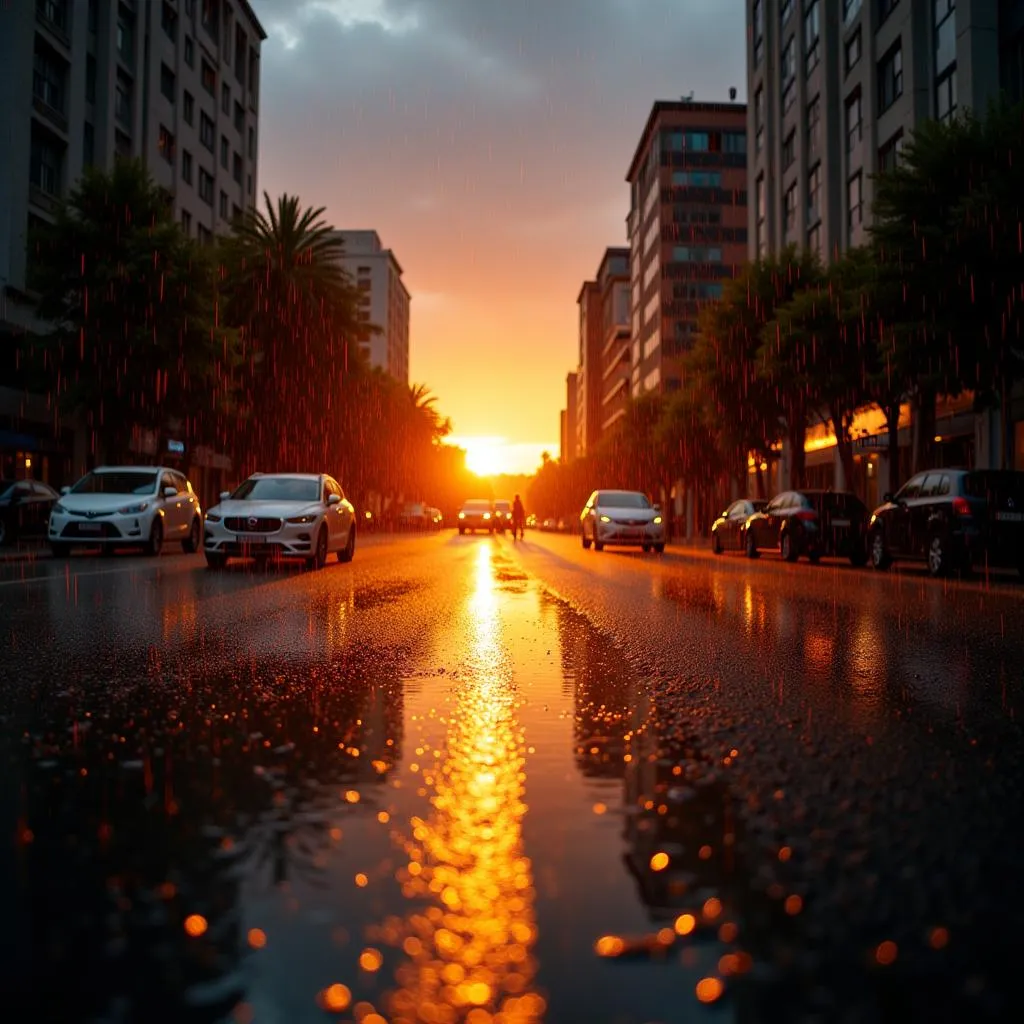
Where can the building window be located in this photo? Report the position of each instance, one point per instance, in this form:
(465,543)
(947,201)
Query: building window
(813,126)
(125,38)
(854,204)
(852,51)
(206,186)
(945,96)
(186,166)
(223,204)
(851,8)
(206,132)
(123,102)
(241,45)
(186,222)
(45,163)
(236,167)
(190,53)
(169,20)
(55,12)
(239,117)
(236,213)
(759,120)
(945,34)
(789,209)
(88,145)
(759,217)
(225,98)
(188,107)
(204,234)
(854,121)
(758,20)
(785,10)
(209,77)
(252,144)
(885,8)
(90,78)
(696,179)
(814,194)
(122,145)
(165,144)
(734,142)
(814,241)
(225,150)
(210,18)
(789,150)
(248,184)
(812,36)
(890,78)
(889,153)
(167,82)
(48,78)
(787,71)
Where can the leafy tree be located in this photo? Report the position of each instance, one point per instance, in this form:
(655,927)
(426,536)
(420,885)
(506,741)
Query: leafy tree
(284,285)
(135,343)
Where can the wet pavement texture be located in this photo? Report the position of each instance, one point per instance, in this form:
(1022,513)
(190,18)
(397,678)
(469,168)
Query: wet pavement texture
(463,779)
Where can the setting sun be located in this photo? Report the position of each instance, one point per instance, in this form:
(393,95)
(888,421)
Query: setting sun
(489,456)
(483,455)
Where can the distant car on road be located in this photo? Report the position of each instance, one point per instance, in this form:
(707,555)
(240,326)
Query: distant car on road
(282,515)
(24,509)
(728,530)
(127,506)
(476,514)
(812,523)
(622,518)
(502,515)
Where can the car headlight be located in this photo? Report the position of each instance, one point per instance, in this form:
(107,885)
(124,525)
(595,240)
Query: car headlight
(487,515)
(462,515)
(657,520)
(58,508)
(133,510)
(606,519)
(211,518)
(871,522)
(299,520)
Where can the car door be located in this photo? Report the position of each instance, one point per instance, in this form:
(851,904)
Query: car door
(182,508)
(921,510)
(20,512)
(770,527)
(332,517)
(740,512)
(190,506)
(899,534)
(346,515)
(39,512)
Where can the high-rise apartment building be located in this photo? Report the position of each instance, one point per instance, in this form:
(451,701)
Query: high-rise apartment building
(383,301)
(687,229)
(613,282)
(837,86)
(588,369)
(568,419)
(175,83)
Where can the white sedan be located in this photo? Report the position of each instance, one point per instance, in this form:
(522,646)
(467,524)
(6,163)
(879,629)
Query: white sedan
(282,515)
(620,518)
(126,506)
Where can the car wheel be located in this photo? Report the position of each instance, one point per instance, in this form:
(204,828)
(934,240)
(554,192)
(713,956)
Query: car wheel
(598,545)
(716,543)
(938,555)
(646,547)
(60,550)
(346,553)
(461,531)
(215,560)
(585,540)
(319,559)
(814,557)
(789,551)
(659,548)
(879,554)
(751,546)
(194,540)
(155,544)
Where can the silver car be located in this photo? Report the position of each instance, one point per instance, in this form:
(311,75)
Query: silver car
(622,518)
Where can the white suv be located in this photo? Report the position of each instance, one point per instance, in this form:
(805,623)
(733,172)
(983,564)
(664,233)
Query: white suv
(127,506)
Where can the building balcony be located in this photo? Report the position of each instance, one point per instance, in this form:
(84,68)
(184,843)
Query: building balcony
(619,335)
(53,117)
(42,199)
(52,16)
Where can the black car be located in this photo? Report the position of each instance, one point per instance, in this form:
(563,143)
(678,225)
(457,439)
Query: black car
(727,531)
(24,509)
(953,519)
(811,523)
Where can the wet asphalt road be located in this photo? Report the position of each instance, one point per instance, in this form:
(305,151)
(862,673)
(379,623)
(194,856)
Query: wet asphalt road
(439,783)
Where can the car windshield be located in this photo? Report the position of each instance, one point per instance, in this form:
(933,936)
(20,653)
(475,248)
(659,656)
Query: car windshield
(623,499)
(503,506)
(278,488)
(120,481)
(477,506)
(5,486)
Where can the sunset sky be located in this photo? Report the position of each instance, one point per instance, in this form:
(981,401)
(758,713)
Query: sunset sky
(487,142)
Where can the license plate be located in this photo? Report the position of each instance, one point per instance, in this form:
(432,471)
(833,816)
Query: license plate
(251,539)
(1010,517)
(840,522)
(90,528)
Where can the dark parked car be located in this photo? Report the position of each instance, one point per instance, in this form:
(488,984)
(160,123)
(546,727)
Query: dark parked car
(24,509)
(811,523)
(954,519)
(727,531)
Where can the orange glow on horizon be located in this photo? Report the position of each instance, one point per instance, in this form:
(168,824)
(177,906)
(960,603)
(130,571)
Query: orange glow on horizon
(493,456)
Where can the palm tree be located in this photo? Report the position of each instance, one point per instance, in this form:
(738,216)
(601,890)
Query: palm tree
(286,288)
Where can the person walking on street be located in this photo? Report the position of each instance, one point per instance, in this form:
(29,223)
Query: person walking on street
(518,519)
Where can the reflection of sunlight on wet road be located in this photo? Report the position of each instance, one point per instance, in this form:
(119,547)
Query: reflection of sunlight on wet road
(469,941)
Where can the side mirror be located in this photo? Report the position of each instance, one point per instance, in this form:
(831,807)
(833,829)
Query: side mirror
(170,492)
(224,495)
(333,499)
(65,490)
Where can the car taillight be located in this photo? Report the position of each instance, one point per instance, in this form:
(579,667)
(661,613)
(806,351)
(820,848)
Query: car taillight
(807,515)
(961,507)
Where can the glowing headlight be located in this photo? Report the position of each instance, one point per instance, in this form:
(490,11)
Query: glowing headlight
(299,520)
(462,515)
(871,521)
(657,520)
(606,519)
(487,515)
(211,518)
(133,510)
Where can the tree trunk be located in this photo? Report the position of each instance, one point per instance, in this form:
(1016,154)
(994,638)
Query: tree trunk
(892,418)
(841,428)
(759,476)
(797,431)
(923,432)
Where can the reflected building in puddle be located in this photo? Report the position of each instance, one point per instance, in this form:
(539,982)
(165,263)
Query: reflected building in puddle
(468,941)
